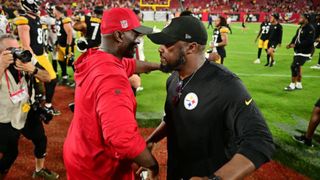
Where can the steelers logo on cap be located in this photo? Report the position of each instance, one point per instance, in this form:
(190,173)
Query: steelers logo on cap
(191,101)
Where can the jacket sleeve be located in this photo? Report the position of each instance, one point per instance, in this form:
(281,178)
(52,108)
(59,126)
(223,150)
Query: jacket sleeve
(308,38)
(295,37)
(116,112)
(251,135)
(280,34)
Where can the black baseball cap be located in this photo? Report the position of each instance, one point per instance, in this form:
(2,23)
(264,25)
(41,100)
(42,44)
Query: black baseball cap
(183,28)
(307,16)
(276,16)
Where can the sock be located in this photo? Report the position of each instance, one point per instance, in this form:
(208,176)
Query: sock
(268,59)
(48,105)
(38,169)
(259,53)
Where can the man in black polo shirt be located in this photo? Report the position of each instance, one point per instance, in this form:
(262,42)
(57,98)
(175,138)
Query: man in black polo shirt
(214,128)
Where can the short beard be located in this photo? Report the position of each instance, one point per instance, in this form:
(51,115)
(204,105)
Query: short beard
(173,67)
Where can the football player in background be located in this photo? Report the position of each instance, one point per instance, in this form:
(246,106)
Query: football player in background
(275,38)
(263,37)
(220,38)
(64,42)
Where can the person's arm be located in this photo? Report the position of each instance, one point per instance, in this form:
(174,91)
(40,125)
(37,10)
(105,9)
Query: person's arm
(259,34)
(280,36)
(80,26)
(68,28)
(145,67)
(252,136)
(157,135)
(292,43)
(23,33)
(224,38)
(31,69)
(309,40)
(6,59)
(115,111)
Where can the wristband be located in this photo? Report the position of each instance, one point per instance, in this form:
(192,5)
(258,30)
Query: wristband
(67,49)
(35,71)
(216,44)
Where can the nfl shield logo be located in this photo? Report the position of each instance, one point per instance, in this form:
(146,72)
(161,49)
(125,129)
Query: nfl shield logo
(124,24)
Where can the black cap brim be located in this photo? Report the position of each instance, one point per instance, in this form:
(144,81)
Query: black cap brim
(143,30)
(162,38)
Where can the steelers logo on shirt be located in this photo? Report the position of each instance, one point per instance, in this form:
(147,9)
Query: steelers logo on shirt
(191,101)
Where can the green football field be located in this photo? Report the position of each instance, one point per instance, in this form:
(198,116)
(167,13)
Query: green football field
(287,113)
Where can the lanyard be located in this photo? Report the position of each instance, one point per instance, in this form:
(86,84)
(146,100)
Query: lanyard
(8,83)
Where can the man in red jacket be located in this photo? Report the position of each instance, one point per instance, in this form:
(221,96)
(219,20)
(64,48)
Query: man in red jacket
(103,139)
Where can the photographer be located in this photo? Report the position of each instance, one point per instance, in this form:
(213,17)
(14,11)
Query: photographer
(17,72)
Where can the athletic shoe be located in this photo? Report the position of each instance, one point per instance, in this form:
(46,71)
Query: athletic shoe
(317,66)
(299,86)
(267,64)
(272,63)
(291,87)
(45,174)
(64,82)
(139,89)
(303,140)
(52,111)
(257,61)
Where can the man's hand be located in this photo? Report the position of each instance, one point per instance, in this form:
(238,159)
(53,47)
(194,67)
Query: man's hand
(290,46)
(6,59)
(26,67)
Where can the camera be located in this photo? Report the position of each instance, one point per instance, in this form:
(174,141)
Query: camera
(44,115)
(23,55)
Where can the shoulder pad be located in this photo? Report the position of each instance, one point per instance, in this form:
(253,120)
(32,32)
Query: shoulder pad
(96,20)
(224,30)
(20,21)
(66,20)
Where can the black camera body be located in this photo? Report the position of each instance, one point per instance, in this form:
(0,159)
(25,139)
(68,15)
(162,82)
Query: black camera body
(43,114)
(24,56)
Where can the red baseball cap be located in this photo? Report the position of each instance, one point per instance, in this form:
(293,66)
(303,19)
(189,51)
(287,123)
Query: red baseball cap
(122,19)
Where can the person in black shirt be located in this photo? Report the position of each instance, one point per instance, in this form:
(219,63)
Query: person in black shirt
(213,126)
(313,123)
(220,39)
(302,43)
(90,27)
(275,39)
(317,40)
(263,37)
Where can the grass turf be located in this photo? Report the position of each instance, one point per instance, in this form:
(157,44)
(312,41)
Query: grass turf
(287,113)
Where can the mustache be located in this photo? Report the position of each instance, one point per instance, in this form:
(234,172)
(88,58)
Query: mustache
(167,68)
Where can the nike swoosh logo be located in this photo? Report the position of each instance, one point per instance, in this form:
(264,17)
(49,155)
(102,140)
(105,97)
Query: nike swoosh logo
(248,102)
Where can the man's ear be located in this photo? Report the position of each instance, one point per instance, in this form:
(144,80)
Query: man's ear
(191,48)
(118,36)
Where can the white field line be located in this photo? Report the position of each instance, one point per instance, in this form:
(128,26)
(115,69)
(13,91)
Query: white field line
(274,75)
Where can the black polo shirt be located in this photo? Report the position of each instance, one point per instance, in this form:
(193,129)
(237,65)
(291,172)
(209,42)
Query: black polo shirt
(214,119)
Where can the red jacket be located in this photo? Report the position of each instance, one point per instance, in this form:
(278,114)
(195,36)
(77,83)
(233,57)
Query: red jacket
(103,137)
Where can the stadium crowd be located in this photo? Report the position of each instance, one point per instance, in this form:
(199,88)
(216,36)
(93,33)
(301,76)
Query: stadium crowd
(108,34)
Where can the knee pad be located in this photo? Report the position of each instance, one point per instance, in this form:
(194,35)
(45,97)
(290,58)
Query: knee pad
(40,149)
